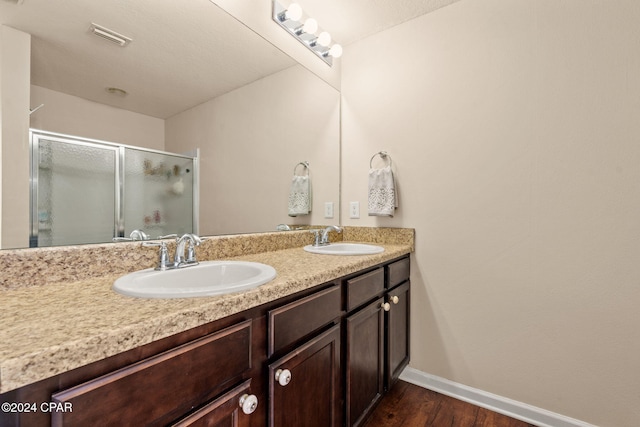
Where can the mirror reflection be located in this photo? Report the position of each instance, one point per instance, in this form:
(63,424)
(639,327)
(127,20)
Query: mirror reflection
(192,77)
(87,191)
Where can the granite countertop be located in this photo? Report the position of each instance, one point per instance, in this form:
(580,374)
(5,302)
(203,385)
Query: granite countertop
(57,327)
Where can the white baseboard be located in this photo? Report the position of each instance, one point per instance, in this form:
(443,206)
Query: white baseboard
(512,408)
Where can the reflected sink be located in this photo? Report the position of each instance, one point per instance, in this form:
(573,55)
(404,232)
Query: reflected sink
(345,249)
(205,279)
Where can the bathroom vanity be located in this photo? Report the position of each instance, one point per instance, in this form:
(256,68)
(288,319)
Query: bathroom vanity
(320,352)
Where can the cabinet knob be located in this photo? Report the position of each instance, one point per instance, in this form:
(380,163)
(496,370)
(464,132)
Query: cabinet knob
(394,299)
(283,376)
(248,403)
(385,306)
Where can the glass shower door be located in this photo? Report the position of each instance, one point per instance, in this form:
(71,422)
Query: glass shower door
(69,170)
(158,193)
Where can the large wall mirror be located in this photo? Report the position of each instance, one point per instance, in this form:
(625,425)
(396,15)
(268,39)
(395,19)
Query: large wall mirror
(192,77)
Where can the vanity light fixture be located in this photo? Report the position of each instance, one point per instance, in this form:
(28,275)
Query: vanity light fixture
(291,19)
(109,35)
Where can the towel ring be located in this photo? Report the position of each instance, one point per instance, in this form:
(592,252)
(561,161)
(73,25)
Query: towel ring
(383,154)
(304,164)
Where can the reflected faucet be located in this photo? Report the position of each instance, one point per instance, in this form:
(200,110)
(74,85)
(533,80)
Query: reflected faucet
(179,259)
(134,236)
(139,235)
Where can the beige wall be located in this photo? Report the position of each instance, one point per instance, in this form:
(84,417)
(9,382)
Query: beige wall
(76,116)
(15,60)
(514,127)
(250,140)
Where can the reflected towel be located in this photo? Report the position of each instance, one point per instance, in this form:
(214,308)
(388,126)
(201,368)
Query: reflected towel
(300,196)
(383,197)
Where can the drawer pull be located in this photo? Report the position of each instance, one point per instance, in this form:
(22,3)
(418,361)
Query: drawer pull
(283,376)
(385,306)
(394,299)
(248,403)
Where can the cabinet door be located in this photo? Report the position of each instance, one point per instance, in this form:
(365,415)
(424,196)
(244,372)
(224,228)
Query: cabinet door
(397,333)
(225,411)
(304,385)
(364,363)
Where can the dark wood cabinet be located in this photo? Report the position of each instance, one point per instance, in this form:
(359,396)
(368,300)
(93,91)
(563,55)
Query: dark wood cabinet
(293,322)
(361,289)
(161,388)
(304,347)
(397,348)
(364,361)
(304,385)
(319,358)
(377,336)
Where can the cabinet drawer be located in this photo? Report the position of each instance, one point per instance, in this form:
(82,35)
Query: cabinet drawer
(291,322)
(362,288)
(157,390)
(398,272)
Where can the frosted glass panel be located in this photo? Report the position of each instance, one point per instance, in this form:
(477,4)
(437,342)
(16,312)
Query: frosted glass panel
(158,193)
(82,174)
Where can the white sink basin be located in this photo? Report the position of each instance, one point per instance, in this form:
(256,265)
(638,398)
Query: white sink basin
(205,279)
(345,249)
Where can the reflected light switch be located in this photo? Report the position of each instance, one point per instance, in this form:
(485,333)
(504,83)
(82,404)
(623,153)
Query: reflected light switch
(328,210)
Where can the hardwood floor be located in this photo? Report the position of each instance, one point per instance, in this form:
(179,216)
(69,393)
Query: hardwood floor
(408,405)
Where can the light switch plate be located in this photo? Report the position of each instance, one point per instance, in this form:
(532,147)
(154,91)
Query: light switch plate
(354,210)
(328,209)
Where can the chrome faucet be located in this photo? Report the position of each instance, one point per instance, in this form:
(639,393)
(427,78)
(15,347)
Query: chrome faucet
(179,259)
(323,239)
(325,233)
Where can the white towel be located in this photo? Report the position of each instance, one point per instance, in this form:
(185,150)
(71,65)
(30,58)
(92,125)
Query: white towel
(300,196)
(383,197)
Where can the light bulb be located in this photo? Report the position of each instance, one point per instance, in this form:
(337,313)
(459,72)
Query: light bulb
(294,12)
(324,39)
(336,51)
(310,26)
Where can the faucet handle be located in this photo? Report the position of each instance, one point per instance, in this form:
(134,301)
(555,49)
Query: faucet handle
(316,239)
(191,248)
(163,255)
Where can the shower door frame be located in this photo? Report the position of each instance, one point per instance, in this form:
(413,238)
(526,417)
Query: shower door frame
(35,135)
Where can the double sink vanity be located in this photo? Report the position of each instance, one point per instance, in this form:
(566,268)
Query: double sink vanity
(316,344)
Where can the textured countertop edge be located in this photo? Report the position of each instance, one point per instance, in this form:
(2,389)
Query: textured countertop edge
(52,360)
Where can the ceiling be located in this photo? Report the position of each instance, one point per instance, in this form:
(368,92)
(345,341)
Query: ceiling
(351,20)
(179,57)
(173,64)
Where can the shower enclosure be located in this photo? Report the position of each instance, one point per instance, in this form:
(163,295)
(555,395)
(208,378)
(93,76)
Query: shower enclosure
(90,191)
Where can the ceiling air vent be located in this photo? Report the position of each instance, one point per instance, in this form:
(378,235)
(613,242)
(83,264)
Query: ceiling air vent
(109,35)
